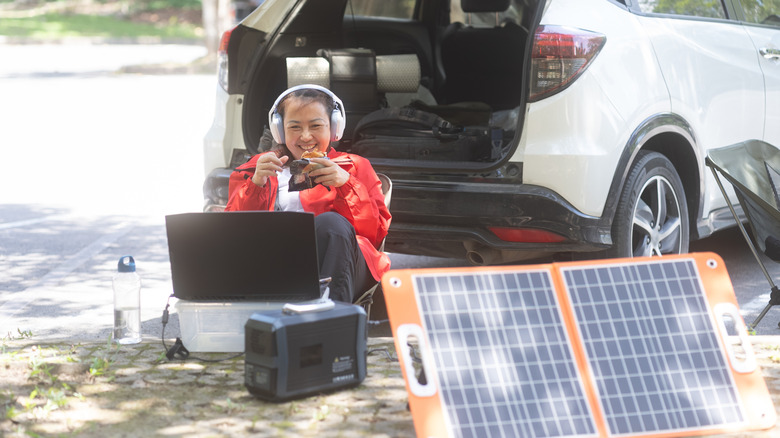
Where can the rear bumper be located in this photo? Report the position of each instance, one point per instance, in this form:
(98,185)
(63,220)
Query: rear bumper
(447,219)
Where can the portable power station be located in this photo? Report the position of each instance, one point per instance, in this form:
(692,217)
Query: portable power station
(305,349)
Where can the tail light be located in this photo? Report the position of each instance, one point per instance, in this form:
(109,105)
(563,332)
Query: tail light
(222,60)
(559,56)
(528,235)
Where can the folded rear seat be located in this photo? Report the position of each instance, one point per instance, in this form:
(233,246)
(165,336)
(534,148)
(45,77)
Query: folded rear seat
(362,80)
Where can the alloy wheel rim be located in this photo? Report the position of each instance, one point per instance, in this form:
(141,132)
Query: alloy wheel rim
(656,226)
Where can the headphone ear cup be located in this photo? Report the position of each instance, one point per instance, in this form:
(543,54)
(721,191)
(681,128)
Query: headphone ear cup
(336,124)
(277,130)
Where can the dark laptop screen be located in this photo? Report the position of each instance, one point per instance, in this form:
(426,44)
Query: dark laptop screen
(257,255)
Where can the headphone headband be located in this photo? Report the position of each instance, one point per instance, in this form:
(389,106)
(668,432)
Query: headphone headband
(337,117)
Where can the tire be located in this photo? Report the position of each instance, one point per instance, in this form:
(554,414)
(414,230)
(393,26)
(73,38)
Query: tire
(643,226)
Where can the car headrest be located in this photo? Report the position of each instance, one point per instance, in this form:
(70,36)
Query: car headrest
(397,73)
(484,5)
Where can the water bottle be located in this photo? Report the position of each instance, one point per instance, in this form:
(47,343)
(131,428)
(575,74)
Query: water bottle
(127,302)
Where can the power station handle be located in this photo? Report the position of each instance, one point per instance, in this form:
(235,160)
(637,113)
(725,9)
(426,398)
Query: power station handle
(309,307)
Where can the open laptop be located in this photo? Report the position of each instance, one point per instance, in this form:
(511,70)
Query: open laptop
(243,255)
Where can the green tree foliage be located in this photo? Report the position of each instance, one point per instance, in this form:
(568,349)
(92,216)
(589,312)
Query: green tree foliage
(758,11)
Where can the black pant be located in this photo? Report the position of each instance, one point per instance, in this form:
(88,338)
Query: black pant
(340,257)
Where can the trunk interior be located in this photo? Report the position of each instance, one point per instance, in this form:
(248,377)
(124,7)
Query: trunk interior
(441,91)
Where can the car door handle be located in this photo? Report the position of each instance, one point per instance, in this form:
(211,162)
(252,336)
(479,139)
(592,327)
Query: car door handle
(769,53)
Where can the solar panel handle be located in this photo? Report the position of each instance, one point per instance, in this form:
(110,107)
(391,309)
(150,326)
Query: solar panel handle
(404,333)
(728,311)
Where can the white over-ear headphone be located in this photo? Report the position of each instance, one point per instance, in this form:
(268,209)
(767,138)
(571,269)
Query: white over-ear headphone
(337,117)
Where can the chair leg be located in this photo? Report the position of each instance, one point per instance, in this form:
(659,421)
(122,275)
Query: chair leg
(774,296)
(774,300)
(366,299)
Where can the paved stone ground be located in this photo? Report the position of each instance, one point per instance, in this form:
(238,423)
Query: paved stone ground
(102,390)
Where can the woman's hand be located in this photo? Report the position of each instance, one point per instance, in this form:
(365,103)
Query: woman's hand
(267,165)
(331,174)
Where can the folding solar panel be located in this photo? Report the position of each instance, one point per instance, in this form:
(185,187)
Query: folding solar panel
(624,347)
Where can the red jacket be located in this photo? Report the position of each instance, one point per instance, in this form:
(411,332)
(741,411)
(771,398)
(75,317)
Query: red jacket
(360,200)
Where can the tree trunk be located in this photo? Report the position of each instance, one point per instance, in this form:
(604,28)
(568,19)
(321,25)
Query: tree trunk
(217,18)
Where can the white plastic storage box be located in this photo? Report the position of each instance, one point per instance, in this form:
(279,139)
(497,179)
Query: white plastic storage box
(217,326)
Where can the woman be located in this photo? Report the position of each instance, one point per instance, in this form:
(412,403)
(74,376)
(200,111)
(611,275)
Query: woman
(351,219)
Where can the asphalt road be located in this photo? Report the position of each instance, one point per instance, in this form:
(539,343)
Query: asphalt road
(90,163)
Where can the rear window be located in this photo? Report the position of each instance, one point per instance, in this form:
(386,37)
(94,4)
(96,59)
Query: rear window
(761,12)
(382,8)
(692,8)
(269,14)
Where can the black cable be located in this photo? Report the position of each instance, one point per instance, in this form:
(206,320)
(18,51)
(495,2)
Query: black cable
(382,350)
(177,350)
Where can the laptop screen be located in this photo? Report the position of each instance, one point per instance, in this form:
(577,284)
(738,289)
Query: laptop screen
(245,255)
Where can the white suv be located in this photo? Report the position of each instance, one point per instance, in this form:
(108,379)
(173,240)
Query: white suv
(518,128)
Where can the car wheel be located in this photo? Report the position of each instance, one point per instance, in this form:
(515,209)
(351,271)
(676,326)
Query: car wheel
(652,214)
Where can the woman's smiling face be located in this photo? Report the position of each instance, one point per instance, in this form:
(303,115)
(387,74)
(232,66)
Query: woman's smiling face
(306,126)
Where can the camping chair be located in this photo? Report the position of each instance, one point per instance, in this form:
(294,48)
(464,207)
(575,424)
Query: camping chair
(753,169)
(367,298)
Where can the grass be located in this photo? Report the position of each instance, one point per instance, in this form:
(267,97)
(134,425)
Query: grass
(49,393)
(101,18)
(162,4)
(145,4)
(78,25)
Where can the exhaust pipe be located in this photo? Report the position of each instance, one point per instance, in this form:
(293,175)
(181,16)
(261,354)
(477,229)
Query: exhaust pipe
(481,255)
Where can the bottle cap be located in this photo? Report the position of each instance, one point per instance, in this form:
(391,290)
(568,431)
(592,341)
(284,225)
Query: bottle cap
(126,264)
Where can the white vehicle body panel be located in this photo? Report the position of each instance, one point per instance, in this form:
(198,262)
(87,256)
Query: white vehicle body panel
(768,40)
(599,110)
(221,139)
(724,100)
